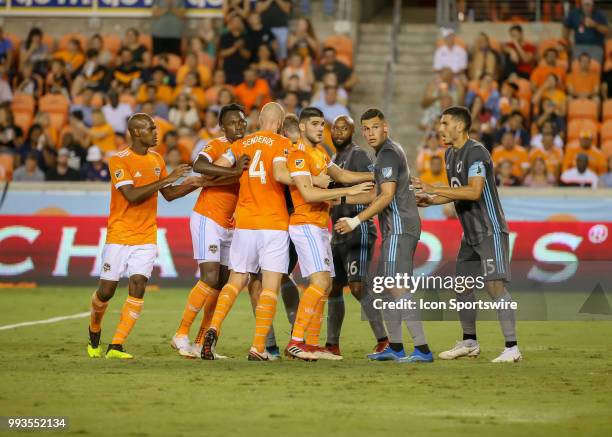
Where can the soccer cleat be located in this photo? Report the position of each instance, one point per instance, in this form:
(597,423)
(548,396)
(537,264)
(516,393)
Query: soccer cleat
(463,348)
(381,346)
(298,350)
(208,348)
(183,346)
(93,347)
(255,355)
(387,354)
(322,353)
(115,351)
(333,349)
(509,355)
(273,353)
(196,350)
(417,357)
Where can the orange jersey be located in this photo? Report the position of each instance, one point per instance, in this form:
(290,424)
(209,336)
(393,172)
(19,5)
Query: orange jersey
(133,224)
(518,156)
(597,160)
(261,199)
(217,203)
(306,160)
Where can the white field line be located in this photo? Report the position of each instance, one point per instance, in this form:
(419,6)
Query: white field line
(45,321)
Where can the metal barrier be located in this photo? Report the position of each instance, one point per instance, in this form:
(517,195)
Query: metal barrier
(452,12)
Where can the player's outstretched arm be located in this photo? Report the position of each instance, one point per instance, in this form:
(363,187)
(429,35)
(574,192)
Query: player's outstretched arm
(312,194)
(281,173)
(139,194)
(383,200)
(424,200)
(349,177)
(472,191)
(221,167)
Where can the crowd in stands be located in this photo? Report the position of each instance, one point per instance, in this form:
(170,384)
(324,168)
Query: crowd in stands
(64,101)
(543,109)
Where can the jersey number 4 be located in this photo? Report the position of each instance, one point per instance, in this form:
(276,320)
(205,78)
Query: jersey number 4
(256,169)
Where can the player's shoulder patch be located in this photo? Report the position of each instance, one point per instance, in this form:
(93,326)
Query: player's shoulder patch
(386,172)
(119,174)
(299,163)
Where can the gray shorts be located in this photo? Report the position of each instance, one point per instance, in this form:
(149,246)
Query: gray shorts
(396,255)
(490,258)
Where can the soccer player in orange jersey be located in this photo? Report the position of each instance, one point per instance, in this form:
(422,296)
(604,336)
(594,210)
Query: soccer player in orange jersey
(137,175)
(212,226)
(308,228)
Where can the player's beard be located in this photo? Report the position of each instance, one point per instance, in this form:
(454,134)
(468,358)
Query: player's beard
(343,144)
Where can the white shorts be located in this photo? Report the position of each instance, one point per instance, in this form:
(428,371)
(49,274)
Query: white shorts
(255,249)
(211,241)
(313,246)
(119,260)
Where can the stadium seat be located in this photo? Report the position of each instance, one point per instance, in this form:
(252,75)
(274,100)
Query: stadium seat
(607,110)
(581,109)
(606,131)
(112,43)
(606,148)
(574,128)
(62,44)
(608,49)
(49,41)
(186,145)
(23,120)
(7,161)
(551,43)
(344,48)
(53,103)
(23,103)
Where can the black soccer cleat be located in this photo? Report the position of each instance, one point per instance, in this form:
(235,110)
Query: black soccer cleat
(208,348)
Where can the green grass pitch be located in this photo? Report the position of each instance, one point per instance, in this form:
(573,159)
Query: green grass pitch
(563,386)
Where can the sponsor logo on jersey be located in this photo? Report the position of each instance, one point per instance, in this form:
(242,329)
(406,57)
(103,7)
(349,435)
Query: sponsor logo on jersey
(299,163)
(119,173)
(387,172)
(213,248)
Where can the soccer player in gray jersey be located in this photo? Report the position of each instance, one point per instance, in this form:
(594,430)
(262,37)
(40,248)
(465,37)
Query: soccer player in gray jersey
(395,204)
(484,247)
(351,252)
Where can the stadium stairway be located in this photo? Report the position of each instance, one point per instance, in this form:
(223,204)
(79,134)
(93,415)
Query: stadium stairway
(412,72)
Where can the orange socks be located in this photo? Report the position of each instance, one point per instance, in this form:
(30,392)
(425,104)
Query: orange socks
(209,308)
(98,308)
(198,296)
(314,327)
(226,300)
(264,316)
(306,310)
(129,314)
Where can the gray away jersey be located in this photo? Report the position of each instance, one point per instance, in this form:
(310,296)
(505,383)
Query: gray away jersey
(402,215)
(352,158)
(484,216)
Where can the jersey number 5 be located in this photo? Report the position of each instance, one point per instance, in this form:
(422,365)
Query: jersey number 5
(256,169)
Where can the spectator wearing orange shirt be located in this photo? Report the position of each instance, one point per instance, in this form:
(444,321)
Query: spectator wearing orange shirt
(431,148)
(436,175)
(101,133)
(191,66)
(253,92)
(510,151)
(548,67)
(192,87)
(163,92)
(551,90)
(583,83)
(551,155)
(73,56)
(597,160)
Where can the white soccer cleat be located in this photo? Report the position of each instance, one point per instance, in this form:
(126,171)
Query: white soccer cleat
(509,355)
(255,355)
(321,353)
(196,350)
(182,346)
(463,348)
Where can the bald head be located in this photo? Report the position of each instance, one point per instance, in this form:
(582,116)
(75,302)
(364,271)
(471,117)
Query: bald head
(342,131)
(271,117)
(142,130)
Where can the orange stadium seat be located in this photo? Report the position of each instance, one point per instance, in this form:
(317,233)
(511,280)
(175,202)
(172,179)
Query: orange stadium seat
(23,103)
(112,42)
(344,48)
(6,166)
(606,131)
(23,120)
(608,49)
(186,145)
(55,103)
(607,110)
(606,148)
(49,41)
(581,109)
(574,128)
(551,43)
(62,44)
